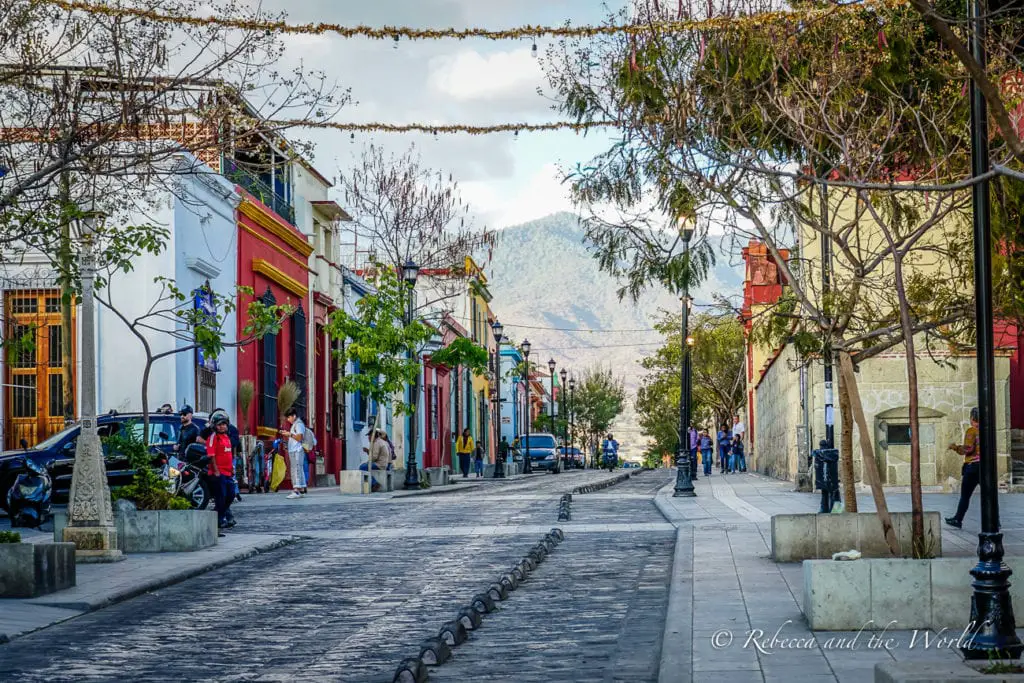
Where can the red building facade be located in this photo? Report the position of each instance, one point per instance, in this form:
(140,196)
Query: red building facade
(272,260)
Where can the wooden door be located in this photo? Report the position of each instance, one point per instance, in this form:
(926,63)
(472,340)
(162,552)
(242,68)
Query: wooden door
(34,366)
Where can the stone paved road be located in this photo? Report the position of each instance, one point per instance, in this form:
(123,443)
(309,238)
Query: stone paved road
(334,608)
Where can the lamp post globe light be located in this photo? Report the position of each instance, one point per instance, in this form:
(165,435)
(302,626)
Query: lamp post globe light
(410,273)
(90,524)
(525,347)
(499,462)
(572,414)
(684,482)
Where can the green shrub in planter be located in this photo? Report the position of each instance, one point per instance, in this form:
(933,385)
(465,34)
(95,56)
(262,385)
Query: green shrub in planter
(148,490)
(10,537)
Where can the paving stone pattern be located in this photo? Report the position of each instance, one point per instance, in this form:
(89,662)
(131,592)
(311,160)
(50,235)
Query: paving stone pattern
(335,608)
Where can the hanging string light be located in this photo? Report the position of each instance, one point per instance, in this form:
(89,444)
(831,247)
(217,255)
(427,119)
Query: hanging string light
(717,23)
(431,129)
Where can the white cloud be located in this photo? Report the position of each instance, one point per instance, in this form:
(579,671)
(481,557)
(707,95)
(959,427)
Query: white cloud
(469,75)
(541,195)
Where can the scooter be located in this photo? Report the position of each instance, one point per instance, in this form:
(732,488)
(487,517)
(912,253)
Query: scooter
(28,501)
(610,460)
(192,476)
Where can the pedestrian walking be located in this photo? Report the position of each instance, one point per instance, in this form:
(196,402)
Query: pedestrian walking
(724,443)
(971,470)
(705,452)
(503,449)
(739,457)
(478,462)
(220,471)
(464,447)
(692,442)
(296,453)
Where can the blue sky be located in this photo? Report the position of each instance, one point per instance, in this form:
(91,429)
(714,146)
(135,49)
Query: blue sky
(507,180)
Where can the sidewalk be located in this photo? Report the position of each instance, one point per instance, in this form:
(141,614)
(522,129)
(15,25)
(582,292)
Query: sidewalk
(735,615)
(101,585)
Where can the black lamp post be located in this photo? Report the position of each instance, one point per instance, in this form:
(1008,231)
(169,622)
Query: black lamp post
(499,461)
(410,272)
(991,608)
(572,413)
(565,435)
(551,403)
(684,482)
(525,346)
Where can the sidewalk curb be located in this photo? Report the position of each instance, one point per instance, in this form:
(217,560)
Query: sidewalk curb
(171,578)
(677,640)
(670,514)
(435,490)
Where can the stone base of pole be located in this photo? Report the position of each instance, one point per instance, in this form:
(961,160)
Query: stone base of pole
(90,514)
(993,633)
(684,484)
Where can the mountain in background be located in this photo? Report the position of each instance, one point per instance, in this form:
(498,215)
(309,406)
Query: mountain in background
(547,288)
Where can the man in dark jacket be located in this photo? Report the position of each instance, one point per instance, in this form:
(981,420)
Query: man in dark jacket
(189,432)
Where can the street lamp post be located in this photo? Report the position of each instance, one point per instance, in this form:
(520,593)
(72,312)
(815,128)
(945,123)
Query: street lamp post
(684,482)
(499,461)
(565,435)
(991,607)
(410,272)
(551,403)
(572,416)
(527,467)
(90,515)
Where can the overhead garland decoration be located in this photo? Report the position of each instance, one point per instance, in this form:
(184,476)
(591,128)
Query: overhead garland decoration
(435,129)
(396,33)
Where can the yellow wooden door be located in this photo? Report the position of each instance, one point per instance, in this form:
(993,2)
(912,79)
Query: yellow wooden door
(34,377)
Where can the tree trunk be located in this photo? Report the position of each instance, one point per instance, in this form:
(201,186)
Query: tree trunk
(145,400)
(867,456)
(64,255)
(846,449)
(916,504)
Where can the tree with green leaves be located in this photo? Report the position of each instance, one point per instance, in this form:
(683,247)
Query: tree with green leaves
(717,367)
(174,316)
(600,397)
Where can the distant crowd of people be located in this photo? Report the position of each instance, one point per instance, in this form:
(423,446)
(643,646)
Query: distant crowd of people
(731,453)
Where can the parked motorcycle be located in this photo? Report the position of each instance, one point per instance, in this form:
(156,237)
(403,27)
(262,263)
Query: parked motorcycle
(190,481)
(28,501)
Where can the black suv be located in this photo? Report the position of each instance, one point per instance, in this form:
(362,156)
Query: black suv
(57,453)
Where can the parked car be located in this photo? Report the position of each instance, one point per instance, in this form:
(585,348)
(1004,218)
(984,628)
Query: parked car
(57,453)
(572,457)
(544,452)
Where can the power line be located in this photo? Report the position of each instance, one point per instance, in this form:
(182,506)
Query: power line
(576,329)
(606,346)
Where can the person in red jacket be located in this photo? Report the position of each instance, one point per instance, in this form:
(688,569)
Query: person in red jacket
(220,470)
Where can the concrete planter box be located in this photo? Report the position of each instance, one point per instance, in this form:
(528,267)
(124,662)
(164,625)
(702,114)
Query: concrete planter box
(157,531)
(352,480)
(28,570)
(844,596)
(923,671)
(817,536)
(437,476)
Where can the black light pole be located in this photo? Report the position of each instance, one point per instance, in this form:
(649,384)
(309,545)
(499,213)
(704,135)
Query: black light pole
(565,409)
(527,467)
(551,403)
(572,417)
(684,484)
(991,607)
(499,462)
(688,370)
(409,273)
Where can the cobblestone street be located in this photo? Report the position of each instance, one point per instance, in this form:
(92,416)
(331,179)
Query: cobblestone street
(371,578)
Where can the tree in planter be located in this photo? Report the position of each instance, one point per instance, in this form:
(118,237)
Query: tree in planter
(147,490)
(174,316)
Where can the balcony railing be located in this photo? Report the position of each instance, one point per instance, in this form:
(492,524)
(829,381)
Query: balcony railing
(258,188)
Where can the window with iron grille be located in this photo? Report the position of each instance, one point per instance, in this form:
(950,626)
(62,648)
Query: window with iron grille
(300,361)
(268,371)
(206,380)
(337,394)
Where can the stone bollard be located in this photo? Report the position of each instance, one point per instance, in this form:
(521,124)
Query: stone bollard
(434,651)
(509,583)
(469,618)
(527,565)
(517,575)
(482,603)
(453,633)
(411,670)
(558,532)
(497,591)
